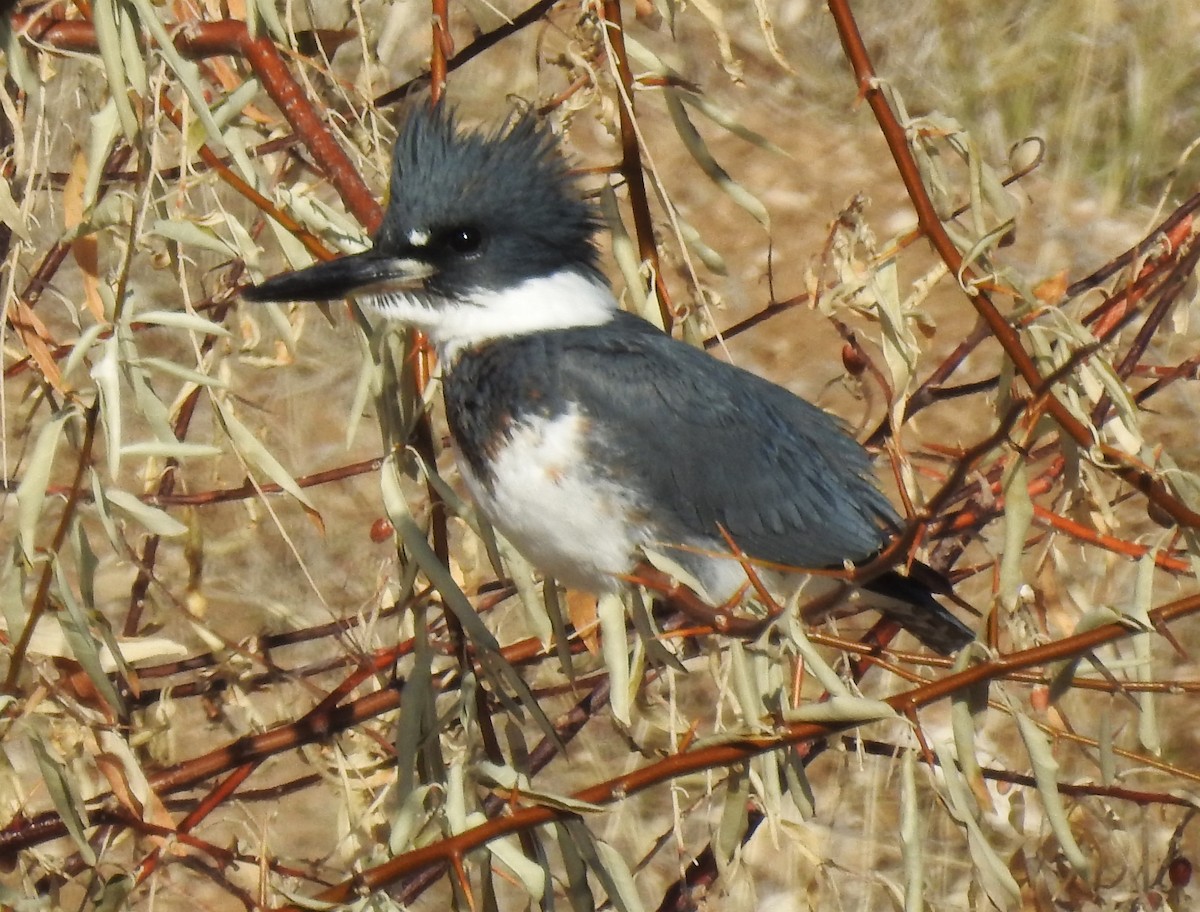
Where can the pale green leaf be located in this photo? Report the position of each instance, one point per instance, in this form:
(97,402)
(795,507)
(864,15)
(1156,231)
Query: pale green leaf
(700,153)
(152,518)
(1045,773)
(31,492)
(991,872)
(626,897)
(108,39)
(177,450)
(181,319)
(735,811)
(528,872)
(106,373)
(190,234)
(913,832)
(1018,517)
(610,609)
(61,787)
(251,449)
(841,710)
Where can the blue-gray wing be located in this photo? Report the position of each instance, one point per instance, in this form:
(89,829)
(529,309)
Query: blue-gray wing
(712,446)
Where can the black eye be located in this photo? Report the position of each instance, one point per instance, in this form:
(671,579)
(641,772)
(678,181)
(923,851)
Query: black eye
(464,239)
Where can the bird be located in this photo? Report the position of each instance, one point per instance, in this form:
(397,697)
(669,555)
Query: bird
(586,435)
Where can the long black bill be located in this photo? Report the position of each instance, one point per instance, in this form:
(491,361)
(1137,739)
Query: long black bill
(350,276)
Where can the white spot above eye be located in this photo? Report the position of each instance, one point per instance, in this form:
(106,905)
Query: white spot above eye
(418,237)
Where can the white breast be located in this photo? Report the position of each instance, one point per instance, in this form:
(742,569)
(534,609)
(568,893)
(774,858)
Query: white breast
(581,529)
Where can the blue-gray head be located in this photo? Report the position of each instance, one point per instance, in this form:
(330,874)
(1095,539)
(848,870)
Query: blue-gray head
(485,235)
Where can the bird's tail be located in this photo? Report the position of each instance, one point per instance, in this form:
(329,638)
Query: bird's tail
(910,603)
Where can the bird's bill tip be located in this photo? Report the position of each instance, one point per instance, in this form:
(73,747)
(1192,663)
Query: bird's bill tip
(350,276)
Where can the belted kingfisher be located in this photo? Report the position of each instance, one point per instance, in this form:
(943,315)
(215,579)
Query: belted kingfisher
(585,434)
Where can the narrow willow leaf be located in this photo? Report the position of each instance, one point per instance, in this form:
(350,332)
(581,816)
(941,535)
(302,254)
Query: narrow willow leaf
(61,787)
(133,55)
(455,797)
(528,592)
(488,649)
(113,657)
(628,260)
(177,450)
(626,898)
(231,108)
(11,214)
(17,63)
(648,638)
(741,679)
(252,450)
(190,234)
(528,872)
(181,319)
(1045,773)
(108,39)
(264,11)
(82,347)
(735,813)
(579,894)
(147,404)
(106,373)
(100,505)
(152,518)
(1104,747)
(1139,610)
(83,644)
(188,78)
(610,609)
(700,153)
(562,639)
(103,127)
(724,119)
(178,371)
(912,835)
(1018,517)
(12,602)
(418,713)
(841,710)
(509,779)
(409,818)
(712,260)
(966,704)
(814,662)
(992,873)
(1125,425)
(31,492)
(798,786)
(588,848)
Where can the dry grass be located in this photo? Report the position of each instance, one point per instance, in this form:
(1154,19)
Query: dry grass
(289,706)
